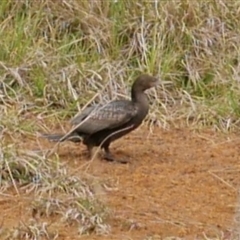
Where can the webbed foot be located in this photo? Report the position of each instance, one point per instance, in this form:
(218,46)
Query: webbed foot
(109,157)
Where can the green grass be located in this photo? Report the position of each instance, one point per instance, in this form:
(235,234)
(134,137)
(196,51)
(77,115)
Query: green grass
(84,47)
(55,56)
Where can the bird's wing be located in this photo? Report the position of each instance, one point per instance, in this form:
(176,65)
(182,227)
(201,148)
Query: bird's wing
(82,115)
(111,115)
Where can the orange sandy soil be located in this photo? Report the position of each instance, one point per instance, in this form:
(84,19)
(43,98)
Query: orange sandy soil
(178,183)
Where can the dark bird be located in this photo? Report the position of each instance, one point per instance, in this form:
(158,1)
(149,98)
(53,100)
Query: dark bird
(100,125)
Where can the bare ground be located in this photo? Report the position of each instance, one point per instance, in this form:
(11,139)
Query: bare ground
(178,183)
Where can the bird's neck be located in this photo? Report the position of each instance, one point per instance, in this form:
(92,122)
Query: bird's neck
(139,97)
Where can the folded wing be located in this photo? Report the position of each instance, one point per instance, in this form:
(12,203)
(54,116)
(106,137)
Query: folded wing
(100,117)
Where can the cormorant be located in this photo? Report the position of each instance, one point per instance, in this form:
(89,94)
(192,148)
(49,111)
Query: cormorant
(100,125)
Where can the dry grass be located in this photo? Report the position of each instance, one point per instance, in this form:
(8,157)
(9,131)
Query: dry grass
(57,56)
(95,49)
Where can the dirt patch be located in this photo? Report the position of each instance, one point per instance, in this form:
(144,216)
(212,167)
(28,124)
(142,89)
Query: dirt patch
(178,183)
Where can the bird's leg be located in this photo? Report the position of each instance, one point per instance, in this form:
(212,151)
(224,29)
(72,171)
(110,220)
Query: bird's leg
(109,157)
(90,151)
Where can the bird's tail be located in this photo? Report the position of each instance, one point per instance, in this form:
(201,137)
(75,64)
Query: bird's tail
(73,137)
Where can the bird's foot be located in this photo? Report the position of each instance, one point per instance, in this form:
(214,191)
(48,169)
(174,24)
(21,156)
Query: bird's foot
(109,157)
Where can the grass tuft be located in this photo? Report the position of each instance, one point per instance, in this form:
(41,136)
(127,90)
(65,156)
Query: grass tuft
(54,192)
